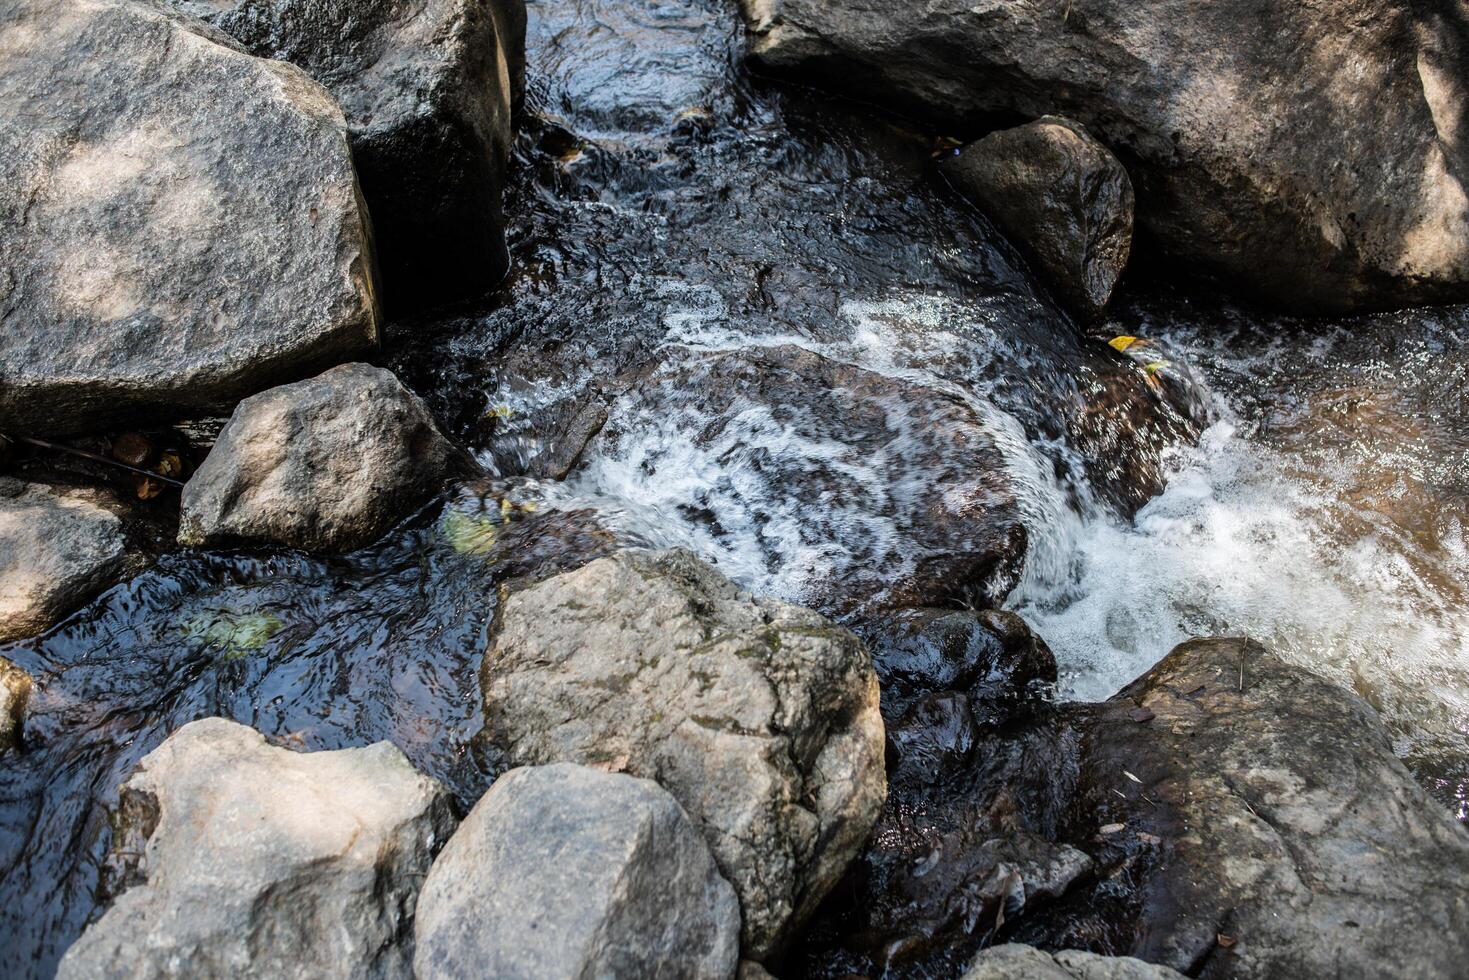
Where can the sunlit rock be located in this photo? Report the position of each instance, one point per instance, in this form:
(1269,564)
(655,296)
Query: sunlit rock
(1061,196)
(426,87)
(565,871)
(179,221)
(761,718)
(326,464)
(1311,154)
(1015,962)
(246,860)
(58,548)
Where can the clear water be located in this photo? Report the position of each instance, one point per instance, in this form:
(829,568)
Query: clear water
(666,206)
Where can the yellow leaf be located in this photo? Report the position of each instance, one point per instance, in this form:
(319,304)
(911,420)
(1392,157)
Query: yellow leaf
(1153,367)
(1121,343)
(499,412)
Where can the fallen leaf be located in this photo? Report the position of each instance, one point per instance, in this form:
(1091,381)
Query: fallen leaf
(1225,941)
(170,465)
(499,412)
(148,489)
(1153,367)
(1111,828)
(1132,777)
(1121,343)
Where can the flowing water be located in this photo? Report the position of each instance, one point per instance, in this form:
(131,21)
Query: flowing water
(668,209)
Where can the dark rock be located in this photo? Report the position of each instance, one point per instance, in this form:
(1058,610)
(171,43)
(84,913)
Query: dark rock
(564,871)
(761,718)
(1015,962)
(179,221)
(427,88)
(58,548)
(326,464)
(1311,154)
(896,494)
(1059,194)
(254,861)
(15,695)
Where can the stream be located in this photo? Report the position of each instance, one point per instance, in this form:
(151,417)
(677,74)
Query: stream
(669,208)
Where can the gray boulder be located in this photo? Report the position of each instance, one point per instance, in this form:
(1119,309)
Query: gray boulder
(761,718)
(563,871)
(179,221)
(58,548)
(15,695)
(1312,154)
(254,861)
(1288,839)
(326,464)
(1015,962)
(426,87)
(1061,196)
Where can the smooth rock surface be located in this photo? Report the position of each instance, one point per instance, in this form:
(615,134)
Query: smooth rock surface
(253,861)
(326,464)
(58,548)
(1312,154)
(1016,962)
(566,871)
(1283,822)
(761,718)
(426,87)
(15,695)
(1061,196)
(179,221)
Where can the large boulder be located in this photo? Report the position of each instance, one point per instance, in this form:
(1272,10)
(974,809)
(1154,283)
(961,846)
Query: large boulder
(1015,962)
(427,87)
(15,696)
(1311,153)
(834,486)
(565,871)
(326,464)
(255,861)
(1287,837)
(761,718)
(1061,196)
(179,221)
(58,548)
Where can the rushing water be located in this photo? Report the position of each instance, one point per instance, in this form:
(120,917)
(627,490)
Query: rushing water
(666,206)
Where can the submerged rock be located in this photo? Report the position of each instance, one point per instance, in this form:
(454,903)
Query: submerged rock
(1312,154)
(254,861)
(564,871)
(1059,194)
(761,718)
(892,493)
(326,464)
(58,548)
(179,221)
(426,87)
(15,695)
(1016,962)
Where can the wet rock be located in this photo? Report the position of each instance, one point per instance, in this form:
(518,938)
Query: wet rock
(565,871)
(326,464)
(179,221)
(1062,196)
(761,718)
(1015,962)
(426,87)
(1312,155)
(254,861)
(893,494)
(58,548)
(15,695)
(1285,835)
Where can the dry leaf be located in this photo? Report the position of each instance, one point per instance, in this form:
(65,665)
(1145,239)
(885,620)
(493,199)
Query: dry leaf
(1225,941)
(148,489)
(1121,343)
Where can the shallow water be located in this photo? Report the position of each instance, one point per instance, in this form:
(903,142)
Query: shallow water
(667,206)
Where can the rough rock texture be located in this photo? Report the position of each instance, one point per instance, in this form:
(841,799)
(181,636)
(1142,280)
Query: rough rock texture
(426,87)
(1016,962)
(58,548)
(254,861)
(15,695)
(565,871)
(326,464)
(179,221)
(895,494)
(1284,822)
(761,718)
(1060,195)
(1311,153)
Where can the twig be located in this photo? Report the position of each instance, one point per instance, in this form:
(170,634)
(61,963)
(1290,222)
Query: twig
(97,458)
